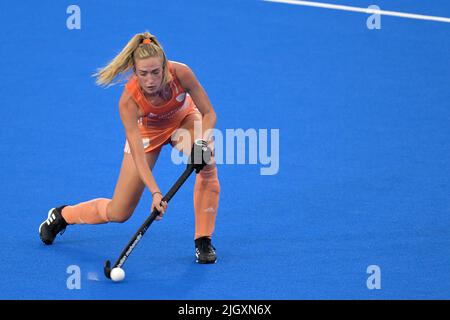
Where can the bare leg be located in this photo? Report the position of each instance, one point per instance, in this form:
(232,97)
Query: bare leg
(127,193)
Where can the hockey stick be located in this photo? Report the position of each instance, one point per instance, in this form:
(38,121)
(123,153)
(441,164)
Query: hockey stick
(141,231)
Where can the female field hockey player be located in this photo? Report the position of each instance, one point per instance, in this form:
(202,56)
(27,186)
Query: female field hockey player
(160,97)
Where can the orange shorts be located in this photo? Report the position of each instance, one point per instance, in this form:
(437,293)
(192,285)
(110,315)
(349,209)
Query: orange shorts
(156,134)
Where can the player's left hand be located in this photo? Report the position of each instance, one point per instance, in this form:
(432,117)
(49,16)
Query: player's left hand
(200,155)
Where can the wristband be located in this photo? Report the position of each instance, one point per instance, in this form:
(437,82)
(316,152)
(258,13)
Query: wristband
(156,192)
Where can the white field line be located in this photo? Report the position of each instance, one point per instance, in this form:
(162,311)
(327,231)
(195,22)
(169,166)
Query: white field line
(362,10)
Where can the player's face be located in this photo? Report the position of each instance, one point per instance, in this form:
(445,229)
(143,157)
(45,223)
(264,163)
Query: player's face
(149,72)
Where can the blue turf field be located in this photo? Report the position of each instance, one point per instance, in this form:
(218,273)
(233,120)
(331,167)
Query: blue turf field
(364,176)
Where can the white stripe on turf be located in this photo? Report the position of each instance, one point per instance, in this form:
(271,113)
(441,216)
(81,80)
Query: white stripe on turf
(362,10)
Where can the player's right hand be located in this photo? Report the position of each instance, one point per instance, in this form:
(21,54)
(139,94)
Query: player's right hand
(159,205)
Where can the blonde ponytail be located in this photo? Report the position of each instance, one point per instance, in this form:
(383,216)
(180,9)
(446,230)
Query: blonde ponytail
(125,60)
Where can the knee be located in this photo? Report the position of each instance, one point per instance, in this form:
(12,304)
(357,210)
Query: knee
(208,178)
(119,215)
(209,172)
(118,218)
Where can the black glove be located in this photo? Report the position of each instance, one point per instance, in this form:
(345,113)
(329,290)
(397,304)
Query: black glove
(200,155)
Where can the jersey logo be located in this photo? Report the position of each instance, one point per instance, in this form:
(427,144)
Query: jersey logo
(146,142)
(181,97)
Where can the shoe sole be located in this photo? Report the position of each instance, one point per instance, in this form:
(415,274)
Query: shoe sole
(40,227)
(203,261)
(206,262)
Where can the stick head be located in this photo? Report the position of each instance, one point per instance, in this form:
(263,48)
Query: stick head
(107,269)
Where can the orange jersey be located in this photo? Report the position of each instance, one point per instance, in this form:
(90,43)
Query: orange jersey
(167,112)
(159,122)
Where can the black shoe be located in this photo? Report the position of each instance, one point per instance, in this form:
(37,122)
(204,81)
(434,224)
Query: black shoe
(54,224)
(205,251)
